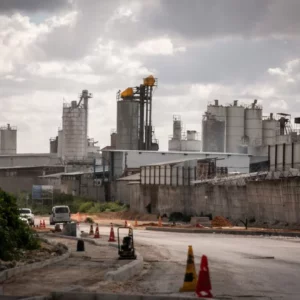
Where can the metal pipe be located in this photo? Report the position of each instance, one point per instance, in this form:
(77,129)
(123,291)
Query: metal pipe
(283,157)
(292,155)
(269,154)
(276,157)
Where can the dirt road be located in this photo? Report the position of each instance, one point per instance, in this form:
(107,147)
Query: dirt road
(84,271)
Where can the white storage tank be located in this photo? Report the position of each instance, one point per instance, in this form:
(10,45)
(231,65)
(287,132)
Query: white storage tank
(8,140)
(271,129)
(191,145)
(253,125)
(217,110)
(213,134)
(127,125)
(234,128)
(174,145)
(74,132)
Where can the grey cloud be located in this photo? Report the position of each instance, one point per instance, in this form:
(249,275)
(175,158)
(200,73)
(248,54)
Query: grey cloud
(8,6)
(76,41)
(226,62)
(191,20)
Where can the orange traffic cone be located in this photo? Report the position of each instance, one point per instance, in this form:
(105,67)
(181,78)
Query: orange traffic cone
(97,234)
(159,221)
(44,224)
(41,224)
(203,288)
(125,223)
(91,230)
(135,223)
(190,278)
(112,234)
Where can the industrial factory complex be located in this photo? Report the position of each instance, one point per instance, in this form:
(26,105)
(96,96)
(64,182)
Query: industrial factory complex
(238,144)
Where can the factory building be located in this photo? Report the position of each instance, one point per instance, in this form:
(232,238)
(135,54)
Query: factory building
(181,140)
(134,117)
(127,162)
(8,140)
(243,129)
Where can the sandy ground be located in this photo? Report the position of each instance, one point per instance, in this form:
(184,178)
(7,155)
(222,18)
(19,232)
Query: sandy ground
(84,271)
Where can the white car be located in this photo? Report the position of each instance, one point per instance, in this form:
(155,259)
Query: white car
(26,213)
(60,214)
(24,220)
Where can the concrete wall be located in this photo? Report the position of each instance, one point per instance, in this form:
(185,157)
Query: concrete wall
(28,160)
(266,201)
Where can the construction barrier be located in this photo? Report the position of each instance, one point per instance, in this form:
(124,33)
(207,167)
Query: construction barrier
(190,278)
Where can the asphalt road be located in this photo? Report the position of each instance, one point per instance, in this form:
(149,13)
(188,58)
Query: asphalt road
(240,267)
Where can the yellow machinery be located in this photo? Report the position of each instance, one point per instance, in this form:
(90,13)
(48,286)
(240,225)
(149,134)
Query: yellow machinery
(127,93)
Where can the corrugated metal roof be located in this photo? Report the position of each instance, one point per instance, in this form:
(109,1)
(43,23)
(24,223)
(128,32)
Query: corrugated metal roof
(31,167)
(134,177)
(99,169)
(173,162)
(178,152)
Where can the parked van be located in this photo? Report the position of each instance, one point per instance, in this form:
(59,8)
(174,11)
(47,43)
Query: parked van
(60,214)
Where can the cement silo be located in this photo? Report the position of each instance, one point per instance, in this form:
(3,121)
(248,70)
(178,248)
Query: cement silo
(75,122)
(127,125)
(8,140)
(253,125)
(217,110)
(60,141)
(271,129)
(53,145)
(234,128)
(175,140)
(213,134)
(192,143)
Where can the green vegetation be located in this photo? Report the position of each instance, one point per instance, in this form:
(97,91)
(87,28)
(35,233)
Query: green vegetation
(93,207)
(76,204)
(15,235)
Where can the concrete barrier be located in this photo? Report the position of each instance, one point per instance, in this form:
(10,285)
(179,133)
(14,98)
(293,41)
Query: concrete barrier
(226,231)
(6,274)
(127,271)
(102,296)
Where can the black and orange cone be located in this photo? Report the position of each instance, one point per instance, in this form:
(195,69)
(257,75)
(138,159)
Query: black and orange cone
(203,288)
(112,234)
(190,278)
(91,230)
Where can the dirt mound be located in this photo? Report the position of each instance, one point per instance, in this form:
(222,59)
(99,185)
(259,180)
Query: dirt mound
(123,215)
(220,221)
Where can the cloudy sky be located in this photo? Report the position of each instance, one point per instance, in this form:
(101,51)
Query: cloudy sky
(50,50)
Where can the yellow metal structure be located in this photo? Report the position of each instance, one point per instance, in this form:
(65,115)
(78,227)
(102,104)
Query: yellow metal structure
(149,81)
(190,278)
(127,93)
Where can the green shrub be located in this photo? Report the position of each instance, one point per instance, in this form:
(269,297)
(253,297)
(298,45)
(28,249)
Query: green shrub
(15,235)
(89,220)
(85,207)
